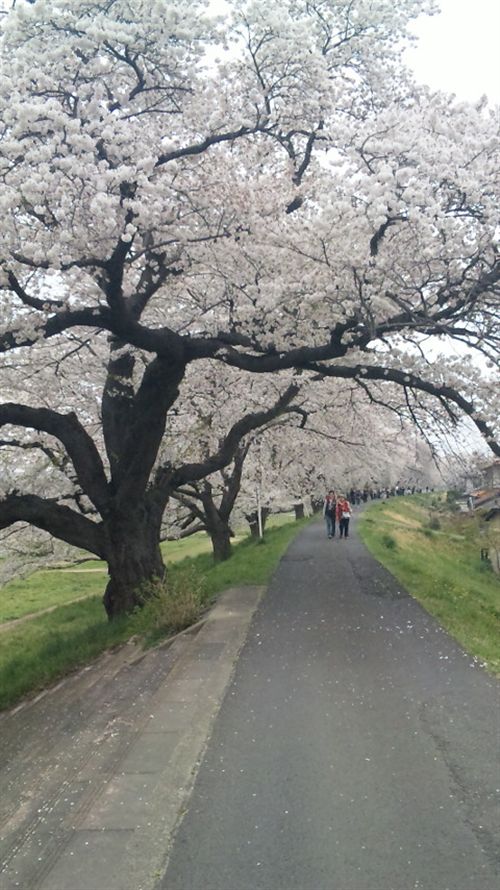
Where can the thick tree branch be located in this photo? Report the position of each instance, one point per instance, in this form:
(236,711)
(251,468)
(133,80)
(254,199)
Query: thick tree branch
(194,471)
(59,521)
(379,234)
(198,148)
(113,286)
(162,341)
(147,414)
(78,444)
(29,300)
(233,482)
(117,401)
(306,160)
(220,348)
(57,324)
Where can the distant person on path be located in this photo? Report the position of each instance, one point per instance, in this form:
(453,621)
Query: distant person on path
(329,512)
(343,516)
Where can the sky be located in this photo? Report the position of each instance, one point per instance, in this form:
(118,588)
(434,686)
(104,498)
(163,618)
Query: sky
(458,49)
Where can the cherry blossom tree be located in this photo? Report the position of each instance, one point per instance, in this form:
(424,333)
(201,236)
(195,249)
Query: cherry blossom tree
(266,190)
(215,503)
(333,435)
(347,441)
(194,432)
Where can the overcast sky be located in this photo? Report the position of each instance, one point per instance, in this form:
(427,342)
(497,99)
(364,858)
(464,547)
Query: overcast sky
(459,50)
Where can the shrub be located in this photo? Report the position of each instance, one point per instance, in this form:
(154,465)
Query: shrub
(169,606)
(434,523)
(389,542)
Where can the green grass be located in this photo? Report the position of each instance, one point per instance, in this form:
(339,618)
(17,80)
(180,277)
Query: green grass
(436,555)
(252,561)
(45,589)
(37,652)
(55,587)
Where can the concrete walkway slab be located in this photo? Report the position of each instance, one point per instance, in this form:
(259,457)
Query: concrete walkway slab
(97,772)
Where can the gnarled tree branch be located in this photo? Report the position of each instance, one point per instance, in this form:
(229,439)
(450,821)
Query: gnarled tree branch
(60,521)
(78,444)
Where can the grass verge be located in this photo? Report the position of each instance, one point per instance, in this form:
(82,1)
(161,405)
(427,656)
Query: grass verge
(39,651)
(45,589)
(54,587)
(436,556)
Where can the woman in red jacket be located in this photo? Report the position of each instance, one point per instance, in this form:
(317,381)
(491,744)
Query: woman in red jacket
(343,516)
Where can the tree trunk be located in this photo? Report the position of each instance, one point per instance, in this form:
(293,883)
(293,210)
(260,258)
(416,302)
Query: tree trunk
(134,558)
(216,521)
(221,541)
(253,521)
(299,511)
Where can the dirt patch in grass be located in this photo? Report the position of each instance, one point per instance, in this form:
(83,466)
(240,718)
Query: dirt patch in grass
(404,520)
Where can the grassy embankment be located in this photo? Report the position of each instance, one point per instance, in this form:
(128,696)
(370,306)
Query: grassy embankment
(36,652)
(435,553)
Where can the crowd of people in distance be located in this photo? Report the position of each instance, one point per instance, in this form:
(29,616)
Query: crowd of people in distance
(358,496)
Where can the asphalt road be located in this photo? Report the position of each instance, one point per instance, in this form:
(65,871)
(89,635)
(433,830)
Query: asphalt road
(356,748)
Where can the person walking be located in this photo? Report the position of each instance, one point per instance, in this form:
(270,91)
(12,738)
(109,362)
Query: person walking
(343,516)
(329,512)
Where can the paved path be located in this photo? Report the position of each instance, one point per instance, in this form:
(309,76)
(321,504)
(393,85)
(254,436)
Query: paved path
(356,749)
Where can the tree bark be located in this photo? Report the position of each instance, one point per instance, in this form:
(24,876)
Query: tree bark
(134,558)
(217,524)
(220,534)
(299,511)
(253,521)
